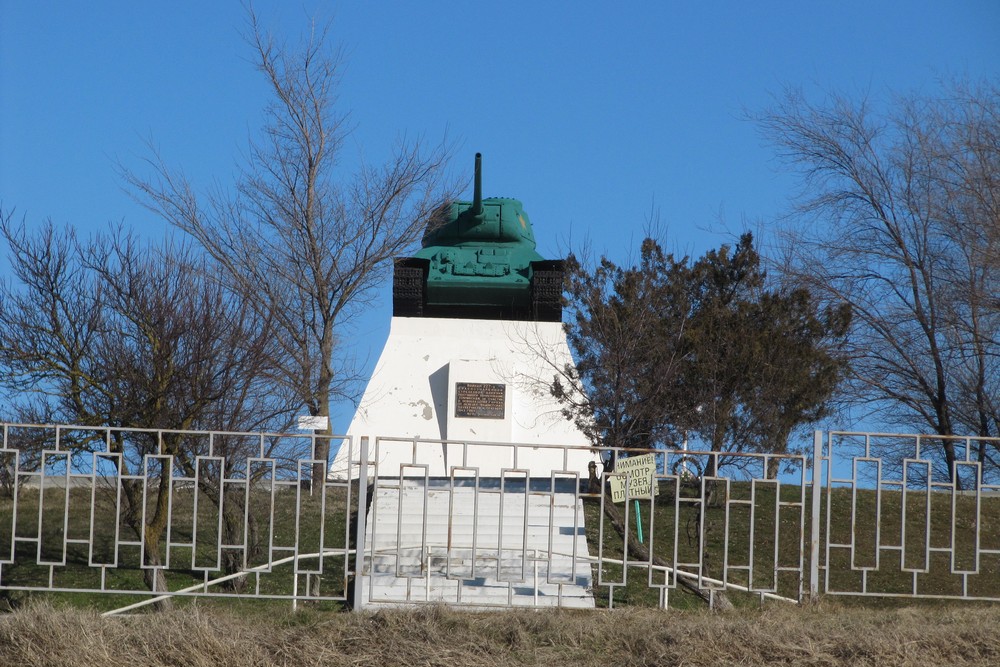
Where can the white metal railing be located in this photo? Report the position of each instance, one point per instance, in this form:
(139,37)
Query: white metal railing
(137,511)
(689,532)
(160,513)
(902,520)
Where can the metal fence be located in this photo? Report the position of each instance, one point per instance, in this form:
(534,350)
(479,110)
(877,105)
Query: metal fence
(902,518)
(743,532)
(153,513)
(141,512)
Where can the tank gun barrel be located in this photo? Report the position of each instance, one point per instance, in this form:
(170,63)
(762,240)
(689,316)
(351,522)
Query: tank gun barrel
(477,192)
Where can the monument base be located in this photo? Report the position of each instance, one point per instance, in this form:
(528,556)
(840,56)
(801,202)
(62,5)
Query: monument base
(474,547)
(457,381)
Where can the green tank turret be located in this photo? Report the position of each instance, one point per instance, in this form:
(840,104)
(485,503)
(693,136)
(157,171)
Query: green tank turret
(478,261)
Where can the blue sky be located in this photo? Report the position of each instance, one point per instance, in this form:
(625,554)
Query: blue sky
(593,114)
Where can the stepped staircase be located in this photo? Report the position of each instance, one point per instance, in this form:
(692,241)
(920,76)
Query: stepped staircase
(476,543)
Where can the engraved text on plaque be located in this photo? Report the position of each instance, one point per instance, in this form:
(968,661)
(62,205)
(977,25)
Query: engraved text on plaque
(480,400)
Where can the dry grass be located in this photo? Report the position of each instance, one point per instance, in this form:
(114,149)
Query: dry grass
(828,635)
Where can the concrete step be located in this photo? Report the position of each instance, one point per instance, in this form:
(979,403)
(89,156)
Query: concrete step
(434,552)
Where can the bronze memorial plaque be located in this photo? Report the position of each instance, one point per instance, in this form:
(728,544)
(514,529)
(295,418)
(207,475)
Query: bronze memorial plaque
(480,400)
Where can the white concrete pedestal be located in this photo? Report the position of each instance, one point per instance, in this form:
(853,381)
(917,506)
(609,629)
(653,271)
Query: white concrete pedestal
(462,380)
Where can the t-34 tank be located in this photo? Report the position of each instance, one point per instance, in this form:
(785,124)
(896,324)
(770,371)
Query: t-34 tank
(478,261)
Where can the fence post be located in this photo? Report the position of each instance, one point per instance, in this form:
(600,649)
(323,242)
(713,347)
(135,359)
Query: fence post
(359,529)
(817,468)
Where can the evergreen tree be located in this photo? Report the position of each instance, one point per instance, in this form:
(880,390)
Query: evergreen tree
(672,347)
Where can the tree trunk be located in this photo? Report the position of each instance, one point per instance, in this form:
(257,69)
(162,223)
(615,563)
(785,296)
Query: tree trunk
(155,579)
(233,513)
(152,575)
(321,452)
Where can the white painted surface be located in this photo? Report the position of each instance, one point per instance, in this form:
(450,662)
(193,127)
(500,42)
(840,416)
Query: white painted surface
(410,396)
(458,547)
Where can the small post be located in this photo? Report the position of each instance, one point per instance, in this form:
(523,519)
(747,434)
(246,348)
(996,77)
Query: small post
(359,529)
(312,455)
(817,467)
(638,520)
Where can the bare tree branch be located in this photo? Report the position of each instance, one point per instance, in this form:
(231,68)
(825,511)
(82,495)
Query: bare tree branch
(303,243)
(898,218)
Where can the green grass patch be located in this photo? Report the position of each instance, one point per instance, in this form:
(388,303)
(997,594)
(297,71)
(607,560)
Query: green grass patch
(889,544)
(79,542)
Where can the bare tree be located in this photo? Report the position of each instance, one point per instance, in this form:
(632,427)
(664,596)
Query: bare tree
(299,241)
(959,143)
(110,332)
(898,218)
(113,332)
